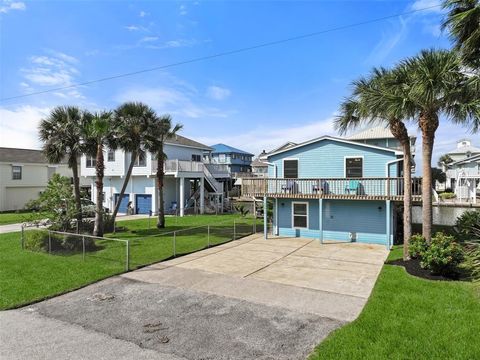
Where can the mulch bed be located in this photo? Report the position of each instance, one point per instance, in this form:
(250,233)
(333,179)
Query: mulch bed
(413,268)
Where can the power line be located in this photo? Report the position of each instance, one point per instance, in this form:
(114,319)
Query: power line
(221,54)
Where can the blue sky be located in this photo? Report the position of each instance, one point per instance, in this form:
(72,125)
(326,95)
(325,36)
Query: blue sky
(254,100)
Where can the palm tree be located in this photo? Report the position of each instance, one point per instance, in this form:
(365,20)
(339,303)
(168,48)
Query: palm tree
(435,84)
(99,135)
(444,160)
(61,135)
(463,23)
(132,120)
(160,130)
(368,105)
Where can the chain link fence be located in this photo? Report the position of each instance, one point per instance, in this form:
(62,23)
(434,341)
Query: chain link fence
(132,253)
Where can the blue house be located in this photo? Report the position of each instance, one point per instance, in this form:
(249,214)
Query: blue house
(333,189)
(235,160)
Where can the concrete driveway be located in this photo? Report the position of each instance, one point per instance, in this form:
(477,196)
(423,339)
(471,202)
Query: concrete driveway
(251,298)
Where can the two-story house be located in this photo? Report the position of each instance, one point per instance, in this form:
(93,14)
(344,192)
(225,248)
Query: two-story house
(235,160)
(188,184)
(332,189)
(24,174)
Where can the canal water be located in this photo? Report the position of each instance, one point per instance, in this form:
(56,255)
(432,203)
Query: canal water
(442,215)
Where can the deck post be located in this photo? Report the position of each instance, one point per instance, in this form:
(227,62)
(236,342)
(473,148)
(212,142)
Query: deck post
(277,231)
(387,211)
(202,195)
(182,196)
(320,219)
(265,218)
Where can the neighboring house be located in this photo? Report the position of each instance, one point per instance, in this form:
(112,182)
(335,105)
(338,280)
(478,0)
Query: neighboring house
(259,168)
(188,184)
(235,160)
(382,136)
(264,155)
(463,173)
(24,174)
(333,189)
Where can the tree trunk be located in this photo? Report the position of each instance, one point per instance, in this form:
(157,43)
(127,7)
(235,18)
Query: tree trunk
(100,168)
(429,124)
(76,191)
(125,183)
(160,178)
(400,132)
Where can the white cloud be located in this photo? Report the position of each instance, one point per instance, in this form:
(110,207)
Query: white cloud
(142,13)
(56,69)
(390,39)
(8,5)
(433,29)
(149,39)
(177,43)
(175,101)
(218,93)
(183,10)
(19,126)
(428,5)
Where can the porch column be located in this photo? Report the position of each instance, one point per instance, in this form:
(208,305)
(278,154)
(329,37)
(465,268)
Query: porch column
(320,218)
(182,196)
(277,230)
(389,225)
(202,195)
(265,218)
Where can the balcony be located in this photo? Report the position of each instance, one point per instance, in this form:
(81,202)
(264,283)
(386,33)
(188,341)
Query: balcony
(334,188)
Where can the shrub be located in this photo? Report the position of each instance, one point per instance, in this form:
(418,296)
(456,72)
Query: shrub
(467,225)
(443,255)
(447,195)
(37,240)
(417,246)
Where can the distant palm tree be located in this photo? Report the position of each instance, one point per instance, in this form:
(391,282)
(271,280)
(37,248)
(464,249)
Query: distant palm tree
(132,121)
(435,84)
(99,135)
(160,130)
(368,105)
(444,160)
(463,23)
(62,136)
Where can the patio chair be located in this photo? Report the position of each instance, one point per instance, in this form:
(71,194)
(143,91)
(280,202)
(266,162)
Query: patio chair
(352,187)
(320,187)
(289,186)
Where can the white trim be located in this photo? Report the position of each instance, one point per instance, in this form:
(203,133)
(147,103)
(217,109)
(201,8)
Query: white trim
(387,165)
(352,157)
(190,146)
(283,167)
(397,152)
(308,214)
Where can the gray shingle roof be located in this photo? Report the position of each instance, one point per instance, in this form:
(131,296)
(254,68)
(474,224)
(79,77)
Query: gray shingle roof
(182,140)
(27,156)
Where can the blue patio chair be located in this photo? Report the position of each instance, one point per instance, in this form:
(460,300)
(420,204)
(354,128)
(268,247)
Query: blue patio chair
(352,187)
(325,187)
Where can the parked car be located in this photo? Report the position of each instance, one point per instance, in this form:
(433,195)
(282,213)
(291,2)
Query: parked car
(89,208)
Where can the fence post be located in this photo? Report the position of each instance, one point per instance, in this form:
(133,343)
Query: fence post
(127,262)
(208,236)
(83,247)
(234,230)
(174,243)
(23,238)
(49,242)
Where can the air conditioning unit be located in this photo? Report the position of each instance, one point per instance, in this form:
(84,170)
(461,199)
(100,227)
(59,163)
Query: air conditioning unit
(352,236)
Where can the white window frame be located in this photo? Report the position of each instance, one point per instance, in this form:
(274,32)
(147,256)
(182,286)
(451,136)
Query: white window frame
(353,157)
(293,213)
(137,160)
(21,172)
(93,159)
(110,151)
(298,167)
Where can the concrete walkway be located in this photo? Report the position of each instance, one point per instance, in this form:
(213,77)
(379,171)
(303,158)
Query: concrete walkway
(250,298)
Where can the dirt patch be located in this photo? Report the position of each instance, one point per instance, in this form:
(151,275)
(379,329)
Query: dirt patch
(413,268)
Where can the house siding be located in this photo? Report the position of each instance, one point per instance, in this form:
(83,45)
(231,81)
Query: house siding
(326,159)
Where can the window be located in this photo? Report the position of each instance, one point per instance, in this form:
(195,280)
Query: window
(111,155)
(91,161)
(290,169)
(221,158)
(141,159)
(300,214)
(354,167)
(16,173)
(196,157)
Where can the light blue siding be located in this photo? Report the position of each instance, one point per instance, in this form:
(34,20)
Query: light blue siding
(326,158)
(340,217)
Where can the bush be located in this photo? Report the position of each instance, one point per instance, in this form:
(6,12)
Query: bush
(467,225)
(443,255)
(417,246)
(37,240)
(447,195)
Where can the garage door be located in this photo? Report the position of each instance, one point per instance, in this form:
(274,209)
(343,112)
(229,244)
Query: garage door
(123,203)
(143,203)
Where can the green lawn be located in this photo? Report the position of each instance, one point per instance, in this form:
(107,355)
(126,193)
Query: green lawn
(27,276)
(410,318)
(14,217)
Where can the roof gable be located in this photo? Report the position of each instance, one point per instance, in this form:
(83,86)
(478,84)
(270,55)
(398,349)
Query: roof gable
(183,141)
(339,140)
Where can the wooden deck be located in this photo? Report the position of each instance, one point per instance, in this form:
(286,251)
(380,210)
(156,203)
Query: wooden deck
(344,188)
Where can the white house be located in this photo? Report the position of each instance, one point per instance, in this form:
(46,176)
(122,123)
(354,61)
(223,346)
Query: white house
(188,184)
(24,174)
